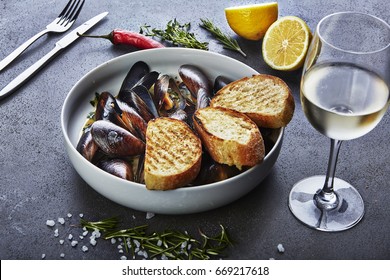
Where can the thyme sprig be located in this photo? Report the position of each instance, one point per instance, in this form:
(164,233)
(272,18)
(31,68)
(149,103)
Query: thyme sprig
(228,42)
(168,244)
(176,33)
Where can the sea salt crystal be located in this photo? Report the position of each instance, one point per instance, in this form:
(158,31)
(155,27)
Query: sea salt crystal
(184,244)
(62,255)
(123,258)
(163,257)
(137,243)
(113,240)
(69,215)
(70,236)
(81,215)
(280,248)
(159,243)
(50,223)
(120,247)
(74,243)
(84,248)
(134,217)
(120,251)
(61,221)
(149,215)
(85,233)
(81,237)
(43,256)
(96,233)
(62,241)
(56,234)
(92,241)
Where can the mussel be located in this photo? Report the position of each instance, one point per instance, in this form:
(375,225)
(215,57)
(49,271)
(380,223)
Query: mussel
(117,167)
(167,96)
(134,122)
(116,141)
(220,82)
(197,83)
(86,145)
(133,100)
(108,109)
(135,74)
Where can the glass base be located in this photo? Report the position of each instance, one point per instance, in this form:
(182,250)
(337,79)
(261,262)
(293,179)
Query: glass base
(347,213)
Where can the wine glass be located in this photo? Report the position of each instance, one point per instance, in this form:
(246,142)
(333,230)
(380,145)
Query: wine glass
(344,95)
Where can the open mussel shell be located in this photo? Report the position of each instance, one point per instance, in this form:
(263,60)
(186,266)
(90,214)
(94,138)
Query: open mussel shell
(135,74)
(194,78)
(197,83)
(86,145)
(116,141)
(148,80)
(134,122)
(146,97)
(117,167)
(133,100)
(108,109)
(168,96)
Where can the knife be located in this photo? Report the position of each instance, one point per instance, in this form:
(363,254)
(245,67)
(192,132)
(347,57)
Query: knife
(59,46)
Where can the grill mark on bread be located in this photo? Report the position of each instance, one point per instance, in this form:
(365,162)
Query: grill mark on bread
(266,99)
(229,136)
(173,154)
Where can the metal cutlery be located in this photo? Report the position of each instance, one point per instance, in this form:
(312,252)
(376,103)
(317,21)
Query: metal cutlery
(61,24)
(60,45)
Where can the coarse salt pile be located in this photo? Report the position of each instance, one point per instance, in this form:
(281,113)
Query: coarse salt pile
(80,240)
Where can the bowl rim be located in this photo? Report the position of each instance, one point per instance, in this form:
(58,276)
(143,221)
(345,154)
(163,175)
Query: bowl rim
(213,185)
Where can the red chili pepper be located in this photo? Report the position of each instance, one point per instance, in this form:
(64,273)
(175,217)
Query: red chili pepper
(125,37)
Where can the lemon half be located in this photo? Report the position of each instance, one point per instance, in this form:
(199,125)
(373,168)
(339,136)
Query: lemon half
(252,21)
(285,43)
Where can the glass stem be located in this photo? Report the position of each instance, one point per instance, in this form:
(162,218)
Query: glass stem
(326,198)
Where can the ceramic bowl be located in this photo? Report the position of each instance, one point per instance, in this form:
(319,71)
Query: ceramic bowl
(108,77)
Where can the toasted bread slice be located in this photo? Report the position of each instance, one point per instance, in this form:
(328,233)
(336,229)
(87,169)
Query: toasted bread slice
(173,154)
(266,99)
(229,136)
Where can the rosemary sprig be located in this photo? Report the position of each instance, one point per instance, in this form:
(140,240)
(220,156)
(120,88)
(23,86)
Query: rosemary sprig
(228,42)
(103,225)
(176,33)
(169,244)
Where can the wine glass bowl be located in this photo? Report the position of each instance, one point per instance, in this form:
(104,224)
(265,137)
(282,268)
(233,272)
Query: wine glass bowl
(344,95)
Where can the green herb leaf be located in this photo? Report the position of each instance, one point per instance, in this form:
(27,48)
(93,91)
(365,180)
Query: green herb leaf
(176,33)
(169,244)
(227,41)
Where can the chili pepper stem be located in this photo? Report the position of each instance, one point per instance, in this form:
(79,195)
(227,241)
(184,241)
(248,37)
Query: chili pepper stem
(108,36)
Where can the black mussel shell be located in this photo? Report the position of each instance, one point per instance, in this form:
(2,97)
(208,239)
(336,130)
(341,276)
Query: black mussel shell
(116,141)
(148,80)
(194,78)
(136,73)
(108,109)
(146,97)
(117,167)
(133,100)
(133,121)
(179,115)
(220,82)
(86,145)
(203,99)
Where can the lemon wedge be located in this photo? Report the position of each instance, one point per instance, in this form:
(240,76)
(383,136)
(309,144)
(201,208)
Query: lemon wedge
(285,43)
(252,21)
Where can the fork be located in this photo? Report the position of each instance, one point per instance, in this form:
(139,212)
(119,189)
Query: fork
(61,24)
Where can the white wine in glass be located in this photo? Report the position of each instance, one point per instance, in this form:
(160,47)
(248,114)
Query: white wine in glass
(344,95)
